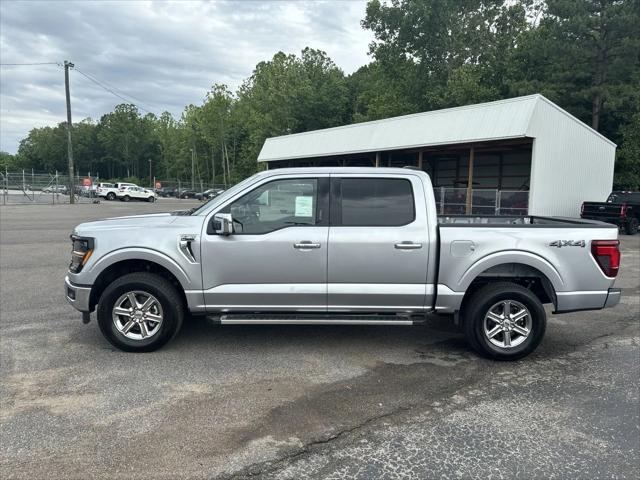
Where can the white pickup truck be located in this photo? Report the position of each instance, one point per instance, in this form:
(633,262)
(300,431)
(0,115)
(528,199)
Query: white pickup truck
(339,246)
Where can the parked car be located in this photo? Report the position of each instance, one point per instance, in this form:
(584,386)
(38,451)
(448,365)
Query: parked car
(167,192)
(107,190)
(620,208)
(211,193)
(123,185)
(136,193)
(56,189)
(339,246)
(188,194)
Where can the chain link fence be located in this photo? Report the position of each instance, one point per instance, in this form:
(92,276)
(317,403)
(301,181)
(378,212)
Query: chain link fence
(28,187)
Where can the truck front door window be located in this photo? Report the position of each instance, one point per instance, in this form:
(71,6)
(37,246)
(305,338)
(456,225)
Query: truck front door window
(275,205)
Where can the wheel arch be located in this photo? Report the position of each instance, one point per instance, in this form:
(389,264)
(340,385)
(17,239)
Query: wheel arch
(122,267)
(542,285)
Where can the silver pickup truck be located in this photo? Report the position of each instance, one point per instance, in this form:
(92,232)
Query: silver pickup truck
(338,246)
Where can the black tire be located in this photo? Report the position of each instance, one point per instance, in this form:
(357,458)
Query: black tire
(126,198)
(477,307)
(151,199)
(631,226)
(172,308)
(111,196)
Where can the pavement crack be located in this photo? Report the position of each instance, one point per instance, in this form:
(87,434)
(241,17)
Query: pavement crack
(276,464)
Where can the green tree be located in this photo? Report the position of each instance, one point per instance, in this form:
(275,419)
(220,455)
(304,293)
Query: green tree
(44,149)
(8,162)
(128,140)
(291,94)
(627,176)
(444,53)
(584,55)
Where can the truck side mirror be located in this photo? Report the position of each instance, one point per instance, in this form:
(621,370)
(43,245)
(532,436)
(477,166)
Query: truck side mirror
(222,224)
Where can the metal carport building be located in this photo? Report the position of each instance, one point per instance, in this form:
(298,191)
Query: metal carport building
(512,156)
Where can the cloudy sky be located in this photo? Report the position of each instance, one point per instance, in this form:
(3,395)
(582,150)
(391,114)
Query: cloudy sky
(162,55)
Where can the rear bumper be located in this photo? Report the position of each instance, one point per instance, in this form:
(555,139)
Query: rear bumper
(613,297)
(77,296)
(591,300)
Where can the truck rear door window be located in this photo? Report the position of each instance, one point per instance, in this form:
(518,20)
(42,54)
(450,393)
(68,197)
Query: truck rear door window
(376,202)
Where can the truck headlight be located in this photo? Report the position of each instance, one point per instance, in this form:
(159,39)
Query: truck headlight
(80,253)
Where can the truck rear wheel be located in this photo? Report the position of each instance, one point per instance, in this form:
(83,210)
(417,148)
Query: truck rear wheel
(631,227)
(504,321)
(140,312)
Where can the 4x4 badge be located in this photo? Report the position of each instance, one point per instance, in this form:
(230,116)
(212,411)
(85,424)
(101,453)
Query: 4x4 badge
(568,243)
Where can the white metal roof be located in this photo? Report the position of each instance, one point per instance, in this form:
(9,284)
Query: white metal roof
(499,120)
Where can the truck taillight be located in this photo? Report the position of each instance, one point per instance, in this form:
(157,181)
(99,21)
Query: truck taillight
(623,210)
(607,256)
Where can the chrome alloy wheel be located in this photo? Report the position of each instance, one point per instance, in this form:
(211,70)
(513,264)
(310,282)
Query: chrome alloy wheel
(507,324)
(137,315)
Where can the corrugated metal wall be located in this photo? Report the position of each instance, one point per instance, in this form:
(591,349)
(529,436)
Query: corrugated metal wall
(570,163)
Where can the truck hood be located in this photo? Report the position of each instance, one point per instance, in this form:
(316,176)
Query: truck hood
(136,222)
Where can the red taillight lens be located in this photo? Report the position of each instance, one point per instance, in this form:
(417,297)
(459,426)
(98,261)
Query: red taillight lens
(607,256)
(623,210)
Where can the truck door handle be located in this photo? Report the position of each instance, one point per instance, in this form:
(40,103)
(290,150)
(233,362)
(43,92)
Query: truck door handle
(408,246)
(306,245)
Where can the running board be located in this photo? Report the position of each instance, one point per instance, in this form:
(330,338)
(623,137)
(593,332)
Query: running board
(314,319)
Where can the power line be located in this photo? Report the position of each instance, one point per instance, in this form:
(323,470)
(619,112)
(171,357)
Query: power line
(111,90)
(28,64)
(107,84)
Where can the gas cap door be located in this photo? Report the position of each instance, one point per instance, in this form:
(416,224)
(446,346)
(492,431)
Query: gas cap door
(462,248)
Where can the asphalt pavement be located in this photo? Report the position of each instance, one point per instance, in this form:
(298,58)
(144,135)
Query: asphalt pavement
(300,401)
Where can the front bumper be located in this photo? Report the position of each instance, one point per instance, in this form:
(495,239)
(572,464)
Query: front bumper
(77,296)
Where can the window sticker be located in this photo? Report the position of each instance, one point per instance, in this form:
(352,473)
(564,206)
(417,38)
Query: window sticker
(304,207)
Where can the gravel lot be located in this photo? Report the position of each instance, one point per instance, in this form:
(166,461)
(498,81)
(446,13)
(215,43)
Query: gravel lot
(300,402)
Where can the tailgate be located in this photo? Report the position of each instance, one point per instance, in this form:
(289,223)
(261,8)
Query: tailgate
(601,210)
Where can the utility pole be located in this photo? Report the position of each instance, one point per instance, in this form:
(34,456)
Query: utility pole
(213,168)
(193,163)
(69,146)
(150,178)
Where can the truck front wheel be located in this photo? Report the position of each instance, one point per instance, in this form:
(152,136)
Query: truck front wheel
(504,321)
(140,312)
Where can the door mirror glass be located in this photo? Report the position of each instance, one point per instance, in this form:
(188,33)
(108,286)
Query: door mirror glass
(222,224)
